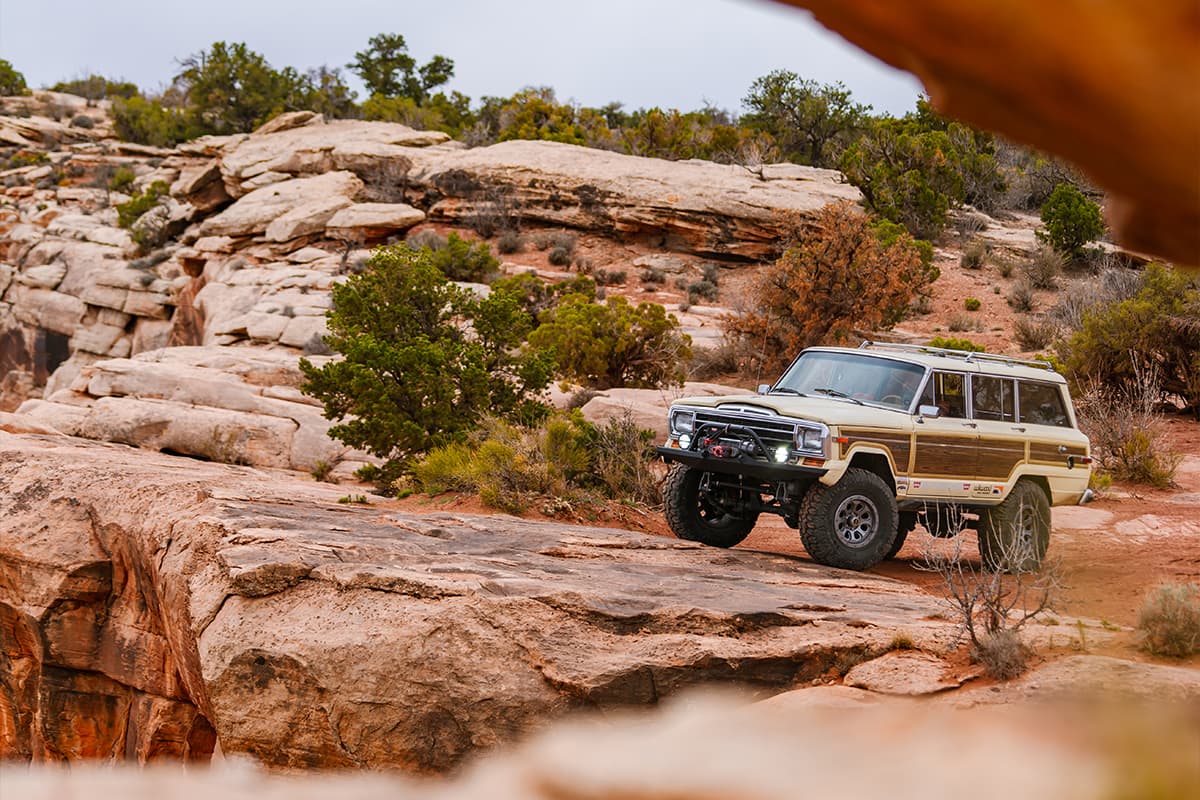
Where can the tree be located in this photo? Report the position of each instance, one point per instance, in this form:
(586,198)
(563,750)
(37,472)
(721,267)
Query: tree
(811,123)
(422,361)
(613,344)
(231,89)
(840,279)
(11,81)
(322,90)
(1071,220)
(389,71)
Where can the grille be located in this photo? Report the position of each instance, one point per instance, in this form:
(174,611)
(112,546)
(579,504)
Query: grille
(772,430)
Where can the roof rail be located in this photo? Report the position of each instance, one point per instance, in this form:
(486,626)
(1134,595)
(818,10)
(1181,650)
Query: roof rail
(966,355)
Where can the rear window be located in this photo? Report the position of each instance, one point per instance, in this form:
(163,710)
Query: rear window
(992,398)
(1041,404)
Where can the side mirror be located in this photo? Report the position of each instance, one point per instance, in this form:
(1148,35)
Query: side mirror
(764,388)
(933,412)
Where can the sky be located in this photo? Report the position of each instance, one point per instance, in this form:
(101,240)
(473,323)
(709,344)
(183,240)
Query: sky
(681,54)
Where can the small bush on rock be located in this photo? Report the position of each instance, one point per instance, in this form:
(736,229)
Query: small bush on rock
(1071,220)
(948,343)
(142,201)
(1169,622)
(972,304)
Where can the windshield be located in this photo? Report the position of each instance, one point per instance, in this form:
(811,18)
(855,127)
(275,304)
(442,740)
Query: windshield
(864,378)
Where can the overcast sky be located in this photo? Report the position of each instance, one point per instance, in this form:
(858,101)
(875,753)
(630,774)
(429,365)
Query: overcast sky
(642,53)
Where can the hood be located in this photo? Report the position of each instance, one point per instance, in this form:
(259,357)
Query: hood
(831,411)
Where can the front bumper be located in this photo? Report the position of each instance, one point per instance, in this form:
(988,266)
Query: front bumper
(739,465)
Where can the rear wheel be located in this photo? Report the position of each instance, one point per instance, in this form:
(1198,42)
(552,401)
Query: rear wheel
(1014,536)
(851,524)
(714,517)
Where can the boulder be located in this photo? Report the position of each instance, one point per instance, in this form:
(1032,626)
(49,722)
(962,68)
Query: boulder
(647,407)
(251,214)
(372,221)
(258,610)
(308,149)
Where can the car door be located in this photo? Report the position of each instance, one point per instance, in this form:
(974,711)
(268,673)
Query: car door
(1002,439)
(945,447)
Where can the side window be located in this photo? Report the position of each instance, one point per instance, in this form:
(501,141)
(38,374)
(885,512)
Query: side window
(992,398)
(1041,404)
(946,390)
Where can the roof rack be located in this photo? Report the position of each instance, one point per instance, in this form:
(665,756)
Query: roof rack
(966,355)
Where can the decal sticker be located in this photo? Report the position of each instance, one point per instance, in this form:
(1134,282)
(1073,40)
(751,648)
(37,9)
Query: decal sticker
(966,487)
(981,490)
(997,490)
(916,484)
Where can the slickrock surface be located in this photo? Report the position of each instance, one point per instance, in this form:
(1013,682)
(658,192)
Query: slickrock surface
(152,605)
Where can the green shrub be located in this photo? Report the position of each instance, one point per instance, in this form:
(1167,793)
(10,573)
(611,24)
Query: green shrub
(1033,334)
(510,242)
(26,158)
(460,260)
(972,304)
(139,203)
(653,275)
(83,121)
(1022,297)
(702,290)
(423,360)
(122,180)
(552,239)
(559,256)
(1126,431)
(564,457)
(604,277)
(148,121)
(1043,269)
(623,460)
(1169,622)
(614,343)
(947,343)
(974,256)
(1157,325)
(1071,220)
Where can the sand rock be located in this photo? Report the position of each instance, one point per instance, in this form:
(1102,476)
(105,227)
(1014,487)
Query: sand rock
(904,672)
(694,206)
(137,579)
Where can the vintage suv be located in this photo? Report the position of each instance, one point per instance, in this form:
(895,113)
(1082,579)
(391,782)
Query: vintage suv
(854,447)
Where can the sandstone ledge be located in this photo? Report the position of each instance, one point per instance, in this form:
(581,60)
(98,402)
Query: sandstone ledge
(168,601)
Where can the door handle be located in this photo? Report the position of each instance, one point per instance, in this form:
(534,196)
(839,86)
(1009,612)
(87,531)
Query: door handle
(1018,429)
(970,425)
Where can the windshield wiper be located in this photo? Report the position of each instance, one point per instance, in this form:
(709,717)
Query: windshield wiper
(787,390)
(836,393)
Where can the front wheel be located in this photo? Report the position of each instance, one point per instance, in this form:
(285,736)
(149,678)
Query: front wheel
(711,517)
(1014,536)
(851,524)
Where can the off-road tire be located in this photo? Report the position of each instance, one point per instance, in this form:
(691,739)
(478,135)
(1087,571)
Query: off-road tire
(851,524)
(907,521)
(695,518)
(1014,535)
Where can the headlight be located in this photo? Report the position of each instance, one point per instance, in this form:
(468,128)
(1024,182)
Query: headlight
(682,422)
(811,440)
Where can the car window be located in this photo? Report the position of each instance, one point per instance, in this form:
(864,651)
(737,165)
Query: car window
(947,391)
(1041,404)
(992,398)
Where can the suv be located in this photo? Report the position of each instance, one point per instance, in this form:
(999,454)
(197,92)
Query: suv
(854,447)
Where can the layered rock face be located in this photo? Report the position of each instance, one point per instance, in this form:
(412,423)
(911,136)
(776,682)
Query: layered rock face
(255,231)
(152,606)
